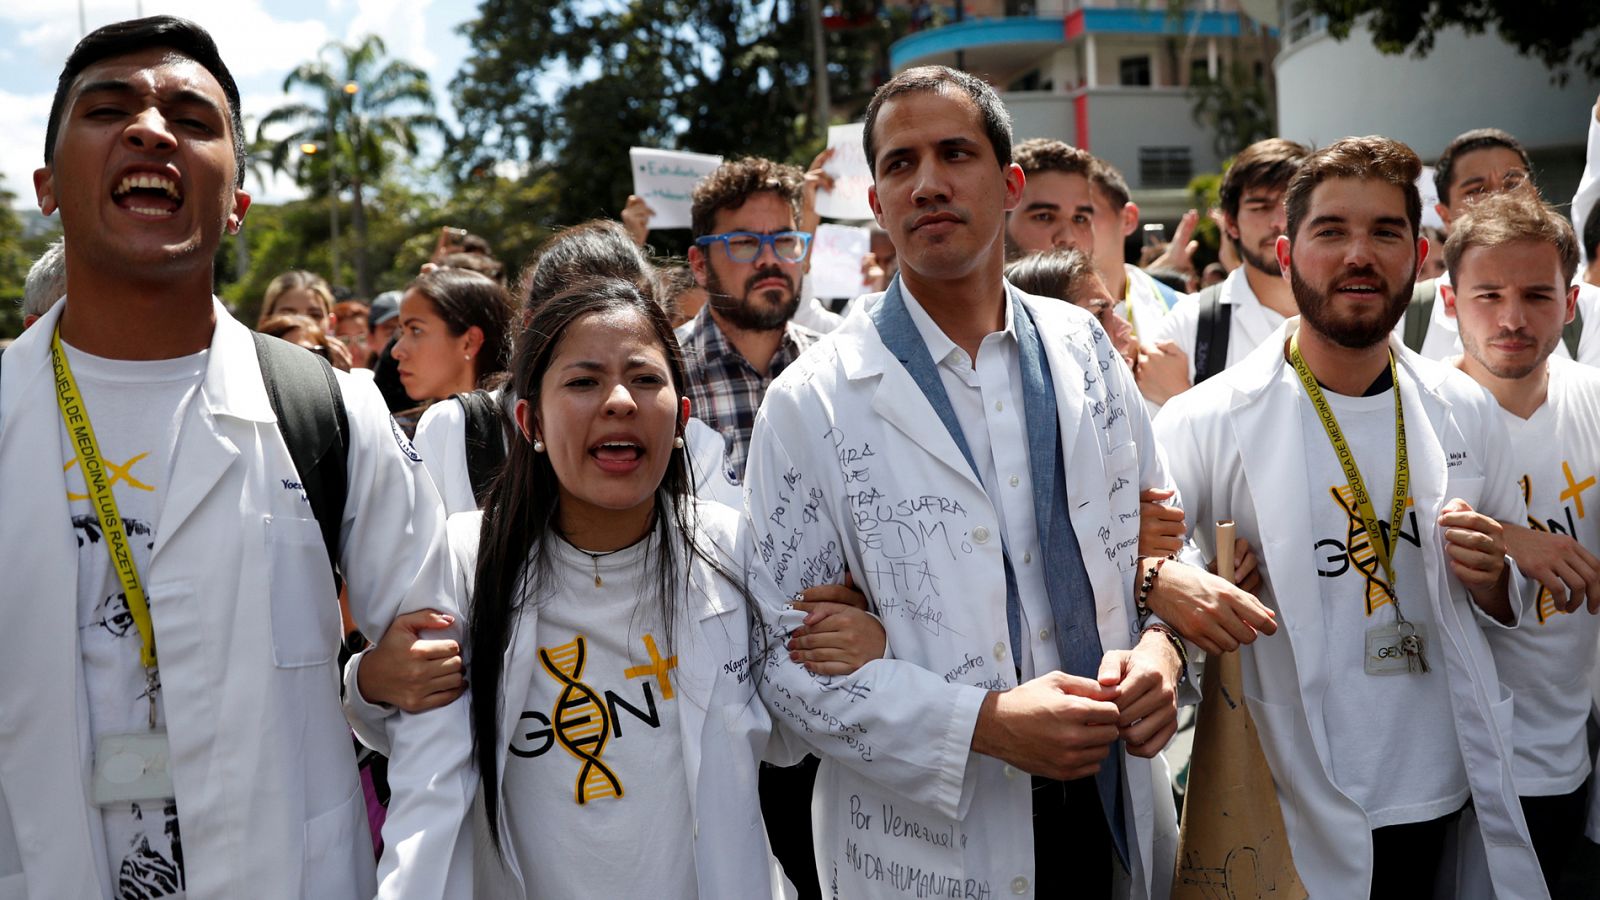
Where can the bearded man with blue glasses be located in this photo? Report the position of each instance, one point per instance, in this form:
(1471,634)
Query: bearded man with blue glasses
(749,255)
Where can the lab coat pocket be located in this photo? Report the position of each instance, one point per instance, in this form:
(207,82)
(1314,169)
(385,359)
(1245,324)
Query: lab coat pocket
(331,867)
(305,606)
(1499,830)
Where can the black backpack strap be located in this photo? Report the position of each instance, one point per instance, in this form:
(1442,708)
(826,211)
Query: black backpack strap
(306,398)
(1573,331)
(1419,314)
(1211,333)
(485,440)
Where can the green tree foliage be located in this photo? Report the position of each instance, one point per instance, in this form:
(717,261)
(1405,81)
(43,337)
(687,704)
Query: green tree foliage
(404,225)
(1237,107)
(1559,33)
(561,90)
(365,110)
(16,256)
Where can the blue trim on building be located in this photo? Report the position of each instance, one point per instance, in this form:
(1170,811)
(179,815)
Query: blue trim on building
(974,33)
(1139,21)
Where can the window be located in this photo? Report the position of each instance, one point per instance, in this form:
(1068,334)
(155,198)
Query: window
(1135,71)
(1165,167)
(1028,82)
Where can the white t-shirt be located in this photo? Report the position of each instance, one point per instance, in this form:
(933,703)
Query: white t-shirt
(1249,324)
(1547,661)
(135,408)
(1391,737)
(598,802)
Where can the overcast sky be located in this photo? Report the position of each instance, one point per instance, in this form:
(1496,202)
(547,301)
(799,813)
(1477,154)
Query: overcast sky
(261,40)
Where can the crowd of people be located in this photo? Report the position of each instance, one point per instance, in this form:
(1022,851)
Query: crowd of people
(643,577)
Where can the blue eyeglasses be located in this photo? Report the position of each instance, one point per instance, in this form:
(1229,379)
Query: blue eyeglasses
(745,246)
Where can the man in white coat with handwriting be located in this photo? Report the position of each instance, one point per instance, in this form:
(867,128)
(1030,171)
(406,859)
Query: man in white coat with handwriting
(973,457)
(1364,478)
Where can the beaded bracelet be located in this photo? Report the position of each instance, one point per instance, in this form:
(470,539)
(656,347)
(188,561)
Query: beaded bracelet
(1141,599)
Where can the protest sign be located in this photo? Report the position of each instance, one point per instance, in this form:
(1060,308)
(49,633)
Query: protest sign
(666,180)
(851,176)
(836,252)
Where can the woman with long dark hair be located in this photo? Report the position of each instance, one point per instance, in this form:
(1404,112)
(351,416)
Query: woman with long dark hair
(614,722)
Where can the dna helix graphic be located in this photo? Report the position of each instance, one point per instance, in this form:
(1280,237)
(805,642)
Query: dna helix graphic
(1360,550)
(581,722)
(1547,601)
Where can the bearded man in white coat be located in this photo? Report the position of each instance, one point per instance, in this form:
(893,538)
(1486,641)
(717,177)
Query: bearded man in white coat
(1367,481)
(973,457)
(171,722)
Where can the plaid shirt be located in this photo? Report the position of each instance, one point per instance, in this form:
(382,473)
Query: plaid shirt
(724,389)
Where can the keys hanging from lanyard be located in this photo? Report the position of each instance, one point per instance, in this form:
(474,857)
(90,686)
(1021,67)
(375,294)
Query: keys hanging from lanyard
(75,416)
(1411,645)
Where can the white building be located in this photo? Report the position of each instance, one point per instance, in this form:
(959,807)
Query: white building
(1329,89)
(1110,76)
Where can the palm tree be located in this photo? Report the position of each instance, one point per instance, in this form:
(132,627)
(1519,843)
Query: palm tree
(365,107)
(258,168)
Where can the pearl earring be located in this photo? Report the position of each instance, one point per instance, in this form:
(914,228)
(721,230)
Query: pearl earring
(678,442)
(538,445)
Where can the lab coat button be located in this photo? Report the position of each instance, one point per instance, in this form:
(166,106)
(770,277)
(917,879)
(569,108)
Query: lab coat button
(980,534)
(1044,634)
(1027,558)
(1009,772)
(1015,481)
(1019,885)
(1000,650)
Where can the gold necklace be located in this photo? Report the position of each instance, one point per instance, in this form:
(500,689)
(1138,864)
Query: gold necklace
(595,558)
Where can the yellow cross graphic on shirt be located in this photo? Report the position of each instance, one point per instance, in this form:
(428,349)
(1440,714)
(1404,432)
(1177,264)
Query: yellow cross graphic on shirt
(657,666)
(1575,488)
(123,473)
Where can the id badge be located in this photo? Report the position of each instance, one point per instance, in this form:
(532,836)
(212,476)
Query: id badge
(1385,653)
(131,767)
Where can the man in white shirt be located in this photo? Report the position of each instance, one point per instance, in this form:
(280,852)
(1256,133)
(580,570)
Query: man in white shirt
(1477,164)
(179,609)
(1511,259)
(930,446)
(1254,300)
(1142,300)
(1367,481)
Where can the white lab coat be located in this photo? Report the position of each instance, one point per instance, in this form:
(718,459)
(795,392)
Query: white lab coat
(247,629)
(725,732)
(1237,451)
(850,466)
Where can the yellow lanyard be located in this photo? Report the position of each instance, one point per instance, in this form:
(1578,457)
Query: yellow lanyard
(76,417)
(1352,473)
